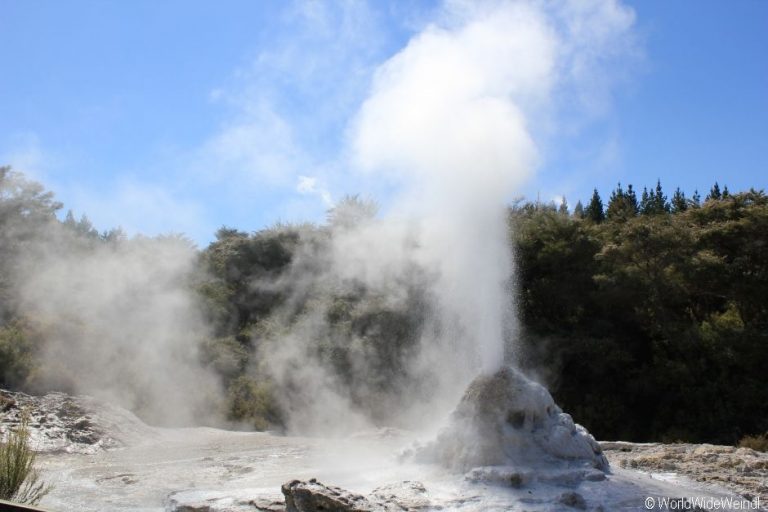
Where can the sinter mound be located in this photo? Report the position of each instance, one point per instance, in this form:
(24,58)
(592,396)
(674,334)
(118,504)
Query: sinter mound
(505,419)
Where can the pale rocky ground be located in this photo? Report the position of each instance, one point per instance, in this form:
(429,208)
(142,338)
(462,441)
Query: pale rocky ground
(113,461)
(742,470)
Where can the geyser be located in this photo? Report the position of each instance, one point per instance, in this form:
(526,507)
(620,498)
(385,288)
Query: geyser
(444,121)
(506,419)
(452,127)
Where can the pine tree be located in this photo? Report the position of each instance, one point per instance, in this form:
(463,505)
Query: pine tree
(661,205)
(679,203)
(725,191)
(84,225)
(615,202)
(578,210)
(69,220)
(714,193)
(631,199)
(696,199)
(645,201)
(594,210)
(563,209)
(622,205)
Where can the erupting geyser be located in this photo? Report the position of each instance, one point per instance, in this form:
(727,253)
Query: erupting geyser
(454,117)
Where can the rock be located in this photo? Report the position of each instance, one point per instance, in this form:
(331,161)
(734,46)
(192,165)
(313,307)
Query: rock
(186,501)
(312,496)
(193,507)
(266,505)
(572,499)
(63,423)
(401,496)
(506,419)
(500,475)
(305,496)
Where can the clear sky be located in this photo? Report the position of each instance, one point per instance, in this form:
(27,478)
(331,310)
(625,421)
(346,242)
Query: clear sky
(185,116)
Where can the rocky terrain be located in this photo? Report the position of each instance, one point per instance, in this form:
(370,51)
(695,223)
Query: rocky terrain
(101,457)
(59,423)
(742,470)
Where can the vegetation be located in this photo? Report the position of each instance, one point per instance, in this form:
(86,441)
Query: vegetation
(652,323)
(758,442)
(19,478)
(253,402)
(646,315)
(16,354)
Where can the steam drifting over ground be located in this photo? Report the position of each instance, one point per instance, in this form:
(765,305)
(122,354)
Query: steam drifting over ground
(122,324)
(454,122)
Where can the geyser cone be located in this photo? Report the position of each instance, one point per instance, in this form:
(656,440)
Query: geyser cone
(506,419)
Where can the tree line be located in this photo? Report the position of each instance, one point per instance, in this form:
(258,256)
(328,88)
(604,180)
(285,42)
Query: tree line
(649,316)
(646,316)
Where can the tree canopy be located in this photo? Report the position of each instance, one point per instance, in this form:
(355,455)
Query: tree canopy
(648,318)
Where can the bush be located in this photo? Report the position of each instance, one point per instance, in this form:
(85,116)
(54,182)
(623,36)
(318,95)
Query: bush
(758,442)
(226,356)
(16,356)
(252,402)
(19,479)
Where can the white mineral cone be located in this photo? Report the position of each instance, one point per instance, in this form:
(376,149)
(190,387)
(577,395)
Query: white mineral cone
(506,419)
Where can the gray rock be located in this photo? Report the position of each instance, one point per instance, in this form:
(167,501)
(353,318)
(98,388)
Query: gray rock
(305,496)
(312,496)
(401,496)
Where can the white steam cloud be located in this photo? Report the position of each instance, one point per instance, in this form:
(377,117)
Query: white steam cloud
(454,119)
(444,115)
(121,324)
(452,115)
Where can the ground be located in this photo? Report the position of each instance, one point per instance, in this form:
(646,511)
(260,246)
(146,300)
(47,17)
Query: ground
(742,470)
(123,464)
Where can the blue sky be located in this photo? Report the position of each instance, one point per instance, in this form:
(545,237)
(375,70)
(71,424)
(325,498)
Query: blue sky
(185,116)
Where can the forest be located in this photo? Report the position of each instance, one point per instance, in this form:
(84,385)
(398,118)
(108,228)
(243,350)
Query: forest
(645,315)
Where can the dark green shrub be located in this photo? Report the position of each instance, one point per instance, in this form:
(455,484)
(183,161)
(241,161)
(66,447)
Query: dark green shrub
(16,356)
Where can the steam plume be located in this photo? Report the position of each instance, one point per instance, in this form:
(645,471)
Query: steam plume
(453,119)
(121,323)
